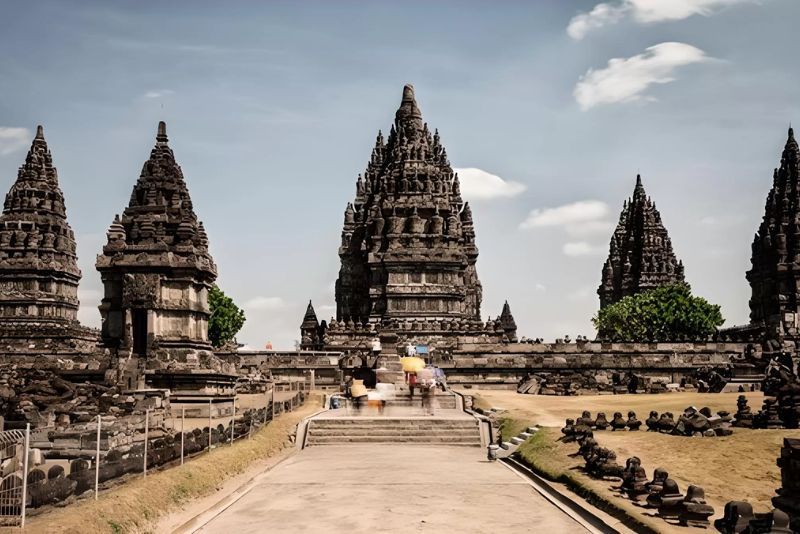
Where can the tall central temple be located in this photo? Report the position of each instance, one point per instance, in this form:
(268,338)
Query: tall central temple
(408,249)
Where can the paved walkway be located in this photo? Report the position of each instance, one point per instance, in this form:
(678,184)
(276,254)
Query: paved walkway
(391,488)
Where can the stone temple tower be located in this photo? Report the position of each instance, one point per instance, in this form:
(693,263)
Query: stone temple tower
(408,244)
(775,275)
(407,248)
(156,267)
(39,273)
(640,255)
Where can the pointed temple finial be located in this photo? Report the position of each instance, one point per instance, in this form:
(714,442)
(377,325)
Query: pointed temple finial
(408,93)
(408,113)
(161,136)
(638,179)
(39,132)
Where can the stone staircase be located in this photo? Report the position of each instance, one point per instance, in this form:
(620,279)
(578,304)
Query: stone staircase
(507,448)
(429,430)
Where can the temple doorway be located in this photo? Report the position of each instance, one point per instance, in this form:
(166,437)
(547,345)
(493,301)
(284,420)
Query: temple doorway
(139,318)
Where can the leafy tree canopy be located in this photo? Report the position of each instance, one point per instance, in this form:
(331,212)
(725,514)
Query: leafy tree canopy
(226,318)
(667,313)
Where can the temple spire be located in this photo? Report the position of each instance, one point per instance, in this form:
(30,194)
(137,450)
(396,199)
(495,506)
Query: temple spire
(408,114)
(40,132)
(310,318)
(776,249)
(161,136)
(640,252)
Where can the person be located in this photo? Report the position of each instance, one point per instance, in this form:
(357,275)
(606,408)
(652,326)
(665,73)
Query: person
(412,383)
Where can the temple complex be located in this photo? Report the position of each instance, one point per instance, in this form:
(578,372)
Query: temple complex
(408,249)
(640,254)
(775,274)
(156,268)
(39,273)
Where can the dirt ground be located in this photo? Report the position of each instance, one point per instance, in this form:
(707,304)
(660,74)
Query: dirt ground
(741,467)
(142,505)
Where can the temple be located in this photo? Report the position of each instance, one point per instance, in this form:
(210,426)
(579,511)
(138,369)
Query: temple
(156,268)
(39,273)
(640,254)
(408,249)
(775,274)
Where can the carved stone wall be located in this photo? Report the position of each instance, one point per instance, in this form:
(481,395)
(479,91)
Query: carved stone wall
(39,273)
(156,267)
(640,253)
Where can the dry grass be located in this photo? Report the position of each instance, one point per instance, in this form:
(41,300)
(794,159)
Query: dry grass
(138,504)
(742,466)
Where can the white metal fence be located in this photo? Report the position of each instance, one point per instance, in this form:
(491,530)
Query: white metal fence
(33,481)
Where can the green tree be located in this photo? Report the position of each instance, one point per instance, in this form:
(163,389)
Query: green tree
(226,318)
(666,313)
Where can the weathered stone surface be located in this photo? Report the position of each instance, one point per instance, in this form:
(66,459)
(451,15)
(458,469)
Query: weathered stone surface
(408,251)
(640,254)
(774,277)
(39,273)
(156,267)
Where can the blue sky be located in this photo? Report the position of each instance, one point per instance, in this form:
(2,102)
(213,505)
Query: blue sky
(552,107)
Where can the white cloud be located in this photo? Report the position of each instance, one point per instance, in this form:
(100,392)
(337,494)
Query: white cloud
(13,139)
(582,248)
(574,214)
(264,303)
(539,287)
(643,12)
(477,184)
(625,79)
(601,15)
(159,93)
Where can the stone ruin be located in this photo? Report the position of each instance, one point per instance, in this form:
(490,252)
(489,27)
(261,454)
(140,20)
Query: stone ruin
(781,404)
(156,268)
(788,498)
(640,254)
(693,422)
(408,253)
(739,516)
(39,273)
(661,493)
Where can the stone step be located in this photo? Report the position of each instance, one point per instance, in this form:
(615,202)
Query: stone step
(391,432)
(516,440)
(367,423)
(422,440)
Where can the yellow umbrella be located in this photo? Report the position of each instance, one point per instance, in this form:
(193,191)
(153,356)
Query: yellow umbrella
(412,364)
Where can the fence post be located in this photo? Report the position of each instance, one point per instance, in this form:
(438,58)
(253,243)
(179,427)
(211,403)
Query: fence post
(233,419)
(97,461)
(25,473)
(146,431)
(183,430)
(209,425)
(266,405)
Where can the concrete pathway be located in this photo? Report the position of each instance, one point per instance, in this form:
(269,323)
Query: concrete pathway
(391,488)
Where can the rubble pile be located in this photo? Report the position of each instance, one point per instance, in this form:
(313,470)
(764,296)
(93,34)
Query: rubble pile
(693,422)
(590,382)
